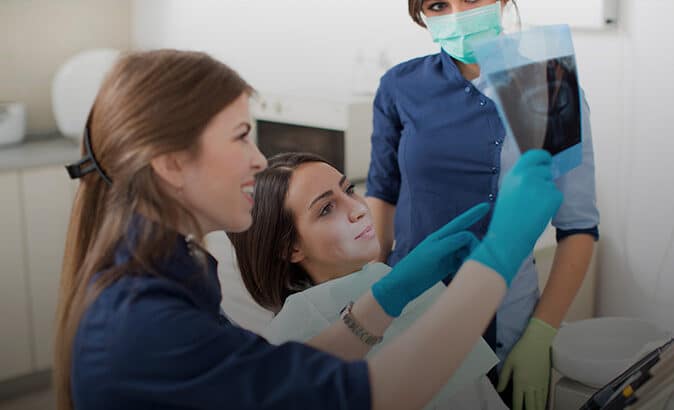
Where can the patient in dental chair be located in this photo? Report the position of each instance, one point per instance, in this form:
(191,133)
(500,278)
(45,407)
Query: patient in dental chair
(308,254)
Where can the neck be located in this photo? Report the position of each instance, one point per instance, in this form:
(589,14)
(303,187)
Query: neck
(150,215)
(469,71)
(324,273)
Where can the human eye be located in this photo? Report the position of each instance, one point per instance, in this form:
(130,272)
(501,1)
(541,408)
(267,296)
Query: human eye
(350,190)
(326,209)
(436,6)
(244,136)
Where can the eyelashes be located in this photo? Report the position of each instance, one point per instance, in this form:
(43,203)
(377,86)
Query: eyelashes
(325,210)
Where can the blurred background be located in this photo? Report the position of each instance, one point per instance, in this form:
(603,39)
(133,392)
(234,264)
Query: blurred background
(316,66)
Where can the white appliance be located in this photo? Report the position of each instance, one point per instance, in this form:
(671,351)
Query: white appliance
(590,353)
(12,122)
(570,395)
(75,87)
(338,130)
(582,14)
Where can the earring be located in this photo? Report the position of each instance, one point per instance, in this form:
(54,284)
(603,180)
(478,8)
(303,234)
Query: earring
(195,251)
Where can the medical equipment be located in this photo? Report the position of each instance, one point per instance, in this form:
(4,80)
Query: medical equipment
(595,351)
(648,384)
(535,79)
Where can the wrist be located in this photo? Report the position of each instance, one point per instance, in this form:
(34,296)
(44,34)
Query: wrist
(543,330)
(489,256)
(358,330)
(388,298)
(371,314)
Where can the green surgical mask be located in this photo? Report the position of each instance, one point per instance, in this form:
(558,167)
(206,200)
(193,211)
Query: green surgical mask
(456,32)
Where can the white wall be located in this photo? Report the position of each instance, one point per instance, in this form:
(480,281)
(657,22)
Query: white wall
(334,48)
(327,49)
(627,74)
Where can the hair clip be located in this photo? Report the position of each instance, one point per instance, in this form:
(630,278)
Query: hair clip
(78,170)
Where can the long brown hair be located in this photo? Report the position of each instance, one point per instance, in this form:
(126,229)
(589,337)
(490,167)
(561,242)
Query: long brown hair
(263,251)
(151,103)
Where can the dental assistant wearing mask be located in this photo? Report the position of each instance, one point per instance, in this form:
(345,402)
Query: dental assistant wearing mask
(167,158)
(438,149)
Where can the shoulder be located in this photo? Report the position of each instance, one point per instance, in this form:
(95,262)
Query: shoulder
(410,69)
(132,323)
(377,267)
(136,310)
(141,293)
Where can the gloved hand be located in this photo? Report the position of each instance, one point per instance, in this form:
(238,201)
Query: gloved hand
(529,365)
(442,253)
(527,200)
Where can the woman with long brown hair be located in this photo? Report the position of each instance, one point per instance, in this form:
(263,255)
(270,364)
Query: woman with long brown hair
(167,159)
(331,245)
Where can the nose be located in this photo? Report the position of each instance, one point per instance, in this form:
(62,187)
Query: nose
(358,210)
(258,162)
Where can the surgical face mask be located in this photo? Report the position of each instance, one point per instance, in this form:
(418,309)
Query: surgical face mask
(456,32)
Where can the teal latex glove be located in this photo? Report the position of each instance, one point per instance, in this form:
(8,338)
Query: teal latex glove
(529,365)
(442,253)
(527,200)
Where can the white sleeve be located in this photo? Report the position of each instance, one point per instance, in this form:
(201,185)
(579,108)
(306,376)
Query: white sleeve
(297,321)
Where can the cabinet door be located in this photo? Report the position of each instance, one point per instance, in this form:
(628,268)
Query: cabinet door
(15,342)
(47,202)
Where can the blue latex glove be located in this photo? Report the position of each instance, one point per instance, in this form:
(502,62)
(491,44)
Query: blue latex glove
(528,198)
(442,253)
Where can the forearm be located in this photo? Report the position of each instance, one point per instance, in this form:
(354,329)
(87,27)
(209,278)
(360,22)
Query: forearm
(382,217)
(410,370)
(340,340)
(569,267)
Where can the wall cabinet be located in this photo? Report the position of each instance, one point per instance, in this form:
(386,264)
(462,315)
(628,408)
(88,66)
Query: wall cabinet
(15,342)
(34,213)
(47,200)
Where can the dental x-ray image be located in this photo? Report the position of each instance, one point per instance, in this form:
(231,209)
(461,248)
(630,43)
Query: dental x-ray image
(541,102)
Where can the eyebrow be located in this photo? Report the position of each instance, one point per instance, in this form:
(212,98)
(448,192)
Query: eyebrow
(327,193)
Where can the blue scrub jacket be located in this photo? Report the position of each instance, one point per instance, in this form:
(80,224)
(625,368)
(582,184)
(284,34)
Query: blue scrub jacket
(161,342)
(439,148)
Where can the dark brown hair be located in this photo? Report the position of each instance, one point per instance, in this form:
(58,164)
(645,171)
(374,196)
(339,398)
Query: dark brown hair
(415,11)
(151,103)
(263,251)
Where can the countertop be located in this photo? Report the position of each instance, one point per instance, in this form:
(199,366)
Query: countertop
(49,150)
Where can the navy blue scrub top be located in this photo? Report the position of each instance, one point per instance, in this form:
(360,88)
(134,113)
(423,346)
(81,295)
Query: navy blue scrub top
(161,342)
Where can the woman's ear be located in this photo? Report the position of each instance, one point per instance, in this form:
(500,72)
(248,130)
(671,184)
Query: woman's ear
(296,255)
(169,167)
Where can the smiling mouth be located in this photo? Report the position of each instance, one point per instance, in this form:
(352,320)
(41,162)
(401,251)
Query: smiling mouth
(248,191)
(365,232)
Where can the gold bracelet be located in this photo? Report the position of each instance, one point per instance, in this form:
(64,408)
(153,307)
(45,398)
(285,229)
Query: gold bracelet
(355,327)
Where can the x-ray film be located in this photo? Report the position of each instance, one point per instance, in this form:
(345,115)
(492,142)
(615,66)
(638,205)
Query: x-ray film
(535,81)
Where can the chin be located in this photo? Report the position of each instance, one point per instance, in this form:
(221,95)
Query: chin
(239,225)
(374,249)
